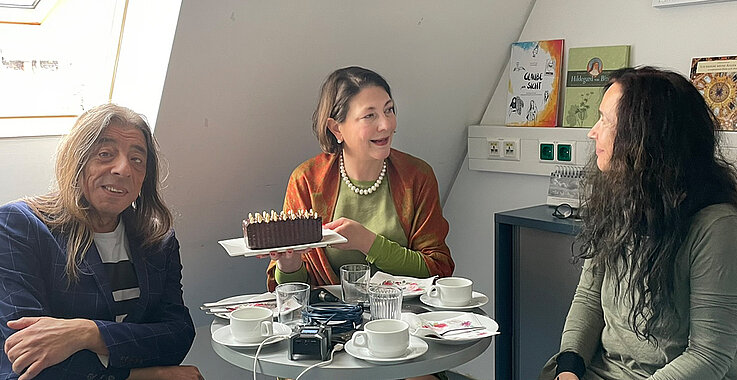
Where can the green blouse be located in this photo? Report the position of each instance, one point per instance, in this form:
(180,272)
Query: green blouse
(378,214)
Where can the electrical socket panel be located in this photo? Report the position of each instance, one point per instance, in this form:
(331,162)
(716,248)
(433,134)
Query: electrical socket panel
(486,148)
(557,152)
(504,149)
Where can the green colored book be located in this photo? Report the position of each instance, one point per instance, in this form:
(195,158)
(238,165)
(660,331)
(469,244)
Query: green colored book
(589,69)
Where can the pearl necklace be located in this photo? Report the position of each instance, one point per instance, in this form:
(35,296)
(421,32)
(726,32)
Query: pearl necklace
(355,188)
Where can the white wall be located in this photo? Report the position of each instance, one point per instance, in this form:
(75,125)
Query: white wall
(242,84)
(26,166)
(663,37)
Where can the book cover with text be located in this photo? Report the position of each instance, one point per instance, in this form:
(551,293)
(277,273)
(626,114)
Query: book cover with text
(588,72)
(534,83)
(716,80)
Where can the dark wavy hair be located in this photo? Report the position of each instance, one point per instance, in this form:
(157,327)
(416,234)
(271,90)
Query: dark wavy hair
(665,166)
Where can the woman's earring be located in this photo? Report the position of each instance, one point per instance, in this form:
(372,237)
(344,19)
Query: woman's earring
(340,141)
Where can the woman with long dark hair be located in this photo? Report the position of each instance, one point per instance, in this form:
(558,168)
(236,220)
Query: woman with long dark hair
(657,298)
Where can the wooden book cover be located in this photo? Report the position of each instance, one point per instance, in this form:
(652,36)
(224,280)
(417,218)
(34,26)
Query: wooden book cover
(534,83)
(588,72)
(716,80)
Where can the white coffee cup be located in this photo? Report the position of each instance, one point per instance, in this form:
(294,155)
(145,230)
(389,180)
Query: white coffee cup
(251,324)
(384,338)
(452,291)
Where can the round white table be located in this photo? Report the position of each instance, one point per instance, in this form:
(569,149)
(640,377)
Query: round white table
(273,360)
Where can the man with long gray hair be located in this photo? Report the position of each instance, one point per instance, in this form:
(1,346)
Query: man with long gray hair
(90,274)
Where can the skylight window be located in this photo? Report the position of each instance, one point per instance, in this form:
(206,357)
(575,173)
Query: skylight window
(32,12)
(57,60)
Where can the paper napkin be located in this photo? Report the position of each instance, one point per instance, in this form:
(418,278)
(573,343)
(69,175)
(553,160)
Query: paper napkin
(409,285)
(452,327)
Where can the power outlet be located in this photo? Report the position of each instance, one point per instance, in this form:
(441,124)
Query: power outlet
(546,151)
(564,151)
(557,151)
(494,150)
(510,149)
(504,149)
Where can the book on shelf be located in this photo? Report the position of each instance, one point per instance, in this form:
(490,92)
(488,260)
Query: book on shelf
(533,92)
(716,80)
(564,183)
(589,69)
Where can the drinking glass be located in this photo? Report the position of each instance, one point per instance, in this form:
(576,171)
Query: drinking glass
(291,299)
(354,280)
(386,302)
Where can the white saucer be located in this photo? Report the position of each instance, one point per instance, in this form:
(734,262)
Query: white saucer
(487,322)
(224,337)
(477,300)
(417,347)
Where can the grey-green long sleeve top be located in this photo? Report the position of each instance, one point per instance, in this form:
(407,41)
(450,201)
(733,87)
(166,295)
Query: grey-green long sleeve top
(704,344)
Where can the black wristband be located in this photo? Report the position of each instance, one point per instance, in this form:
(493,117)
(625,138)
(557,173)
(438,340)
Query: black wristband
(570,361)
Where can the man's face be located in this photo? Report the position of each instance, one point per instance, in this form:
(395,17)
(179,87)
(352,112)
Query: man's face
(113,176)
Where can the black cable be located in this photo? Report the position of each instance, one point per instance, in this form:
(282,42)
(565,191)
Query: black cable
(341,317)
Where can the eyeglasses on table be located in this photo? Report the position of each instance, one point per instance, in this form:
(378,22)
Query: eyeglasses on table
(565,211)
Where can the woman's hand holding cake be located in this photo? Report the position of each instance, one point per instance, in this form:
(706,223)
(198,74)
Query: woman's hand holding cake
(359,237)
(289,261)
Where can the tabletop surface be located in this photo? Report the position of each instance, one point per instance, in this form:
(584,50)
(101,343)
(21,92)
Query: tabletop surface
(273,359)
(539,217)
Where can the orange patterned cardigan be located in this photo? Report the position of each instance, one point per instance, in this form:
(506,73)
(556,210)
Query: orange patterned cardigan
(314,184)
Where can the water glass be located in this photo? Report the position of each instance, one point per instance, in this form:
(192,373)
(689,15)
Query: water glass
(386,302)
(354,280)
(291,299)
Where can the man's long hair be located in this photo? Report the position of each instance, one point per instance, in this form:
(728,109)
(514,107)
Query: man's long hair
(67,211)
(665,167)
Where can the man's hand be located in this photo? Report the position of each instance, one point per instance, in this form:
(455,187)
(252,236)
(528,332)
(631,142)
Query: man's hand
(42,342)
(182,372)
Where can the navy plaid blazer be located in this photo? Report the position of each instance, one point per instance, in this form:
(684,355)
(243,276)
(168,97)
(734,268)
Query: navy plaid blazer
(33,282)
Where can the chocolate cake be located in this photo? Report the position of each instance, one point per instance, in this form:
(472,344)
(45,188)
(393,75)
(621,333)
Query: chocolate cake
(271,230)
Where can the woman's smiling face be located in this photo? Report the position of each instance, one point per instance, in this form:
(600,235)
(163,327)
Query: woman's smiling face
(369,125)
